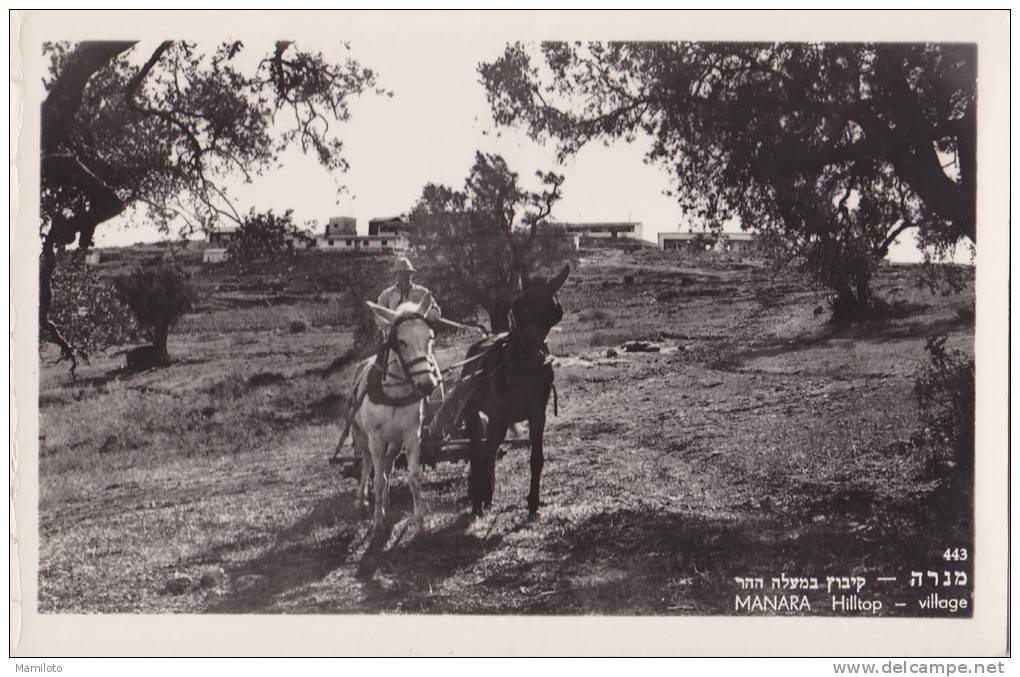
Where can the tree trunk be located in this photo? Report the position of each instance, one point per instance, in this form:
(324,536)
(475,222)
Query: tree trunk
(64,98)
(160,336)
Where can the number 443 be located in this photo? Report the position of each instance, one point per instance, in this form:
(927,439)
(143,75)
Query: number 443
(955,555)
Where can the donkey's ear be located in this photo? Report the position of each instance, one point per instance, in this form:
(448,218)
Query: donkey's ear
(382,312)
(425,303)
(557,282)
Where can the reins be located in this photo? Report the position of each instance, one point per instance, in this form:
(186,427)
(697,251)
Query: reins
(407,379)
(416,395)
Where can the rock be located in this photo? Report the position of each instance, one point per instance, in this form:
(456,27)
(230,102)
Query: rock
(145,357)
(611,353)
(179,584)
(111,443)
(640,347)
(212,577)
(265,378)
(667,295)
(247,582)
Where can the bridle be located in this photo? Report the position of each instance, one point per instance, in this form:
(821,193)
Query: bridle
(407,366)
(531,336)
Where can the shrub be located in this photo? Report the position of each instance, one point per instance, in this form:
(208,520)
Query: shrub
(263,235)
(297,326)
(158,297)
(86,308)
(945,395)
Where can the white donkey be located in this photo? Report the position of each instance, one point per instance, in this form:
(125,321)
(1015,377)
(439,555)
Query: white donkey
(390,390)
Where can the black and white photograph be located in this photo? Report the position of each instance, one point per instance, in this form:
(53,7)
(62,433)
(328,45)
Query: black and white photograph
(448,320)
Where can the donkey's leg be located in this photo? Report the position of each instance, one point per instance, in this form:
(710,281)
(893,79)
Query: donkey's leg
(392,451)
(497,433)
(361,445)
(378,449)
(473,425)
(536,431)
(412,447)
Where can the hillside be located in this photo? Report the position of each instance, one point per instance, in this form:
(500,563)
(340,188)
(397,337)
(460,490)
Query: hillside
(760,439)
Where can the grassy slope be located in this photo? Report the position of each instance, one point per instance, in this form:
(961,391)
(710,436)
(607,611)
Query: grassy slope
(760,441)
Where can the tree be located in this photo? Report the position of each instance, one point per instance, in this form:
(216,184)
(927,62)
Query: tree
(262,235)
(160,132)
(157,297)
(486,239)
(835,148)
(87,307)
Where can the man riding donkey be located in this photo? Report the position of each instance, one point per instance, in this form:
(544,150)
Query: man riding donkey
(402,291)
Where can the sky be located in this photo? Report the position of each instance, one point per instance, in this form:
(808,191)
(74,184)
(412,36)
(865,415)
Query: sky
(429,131)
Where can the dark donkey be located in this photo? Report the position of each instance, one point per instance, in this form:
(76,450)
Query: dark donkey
(515,378)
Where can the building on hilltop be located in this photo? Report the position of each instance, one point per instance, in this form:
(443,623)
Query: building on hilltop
(215,255)
(385,236)
(390,225)
(603,230)
(737,243)
(341,225)
(220,236)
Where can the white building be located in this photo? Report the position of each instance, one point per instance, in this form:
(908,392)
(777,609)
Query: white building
(377,244)
(222,235)
(737,242)
(385,236)
(341,225)
(604,230)
(389,225)
(215,256)
(722,242)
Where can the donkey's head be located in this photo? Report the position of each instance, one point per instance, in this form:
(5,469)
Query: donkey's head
(410,338)
(537,309)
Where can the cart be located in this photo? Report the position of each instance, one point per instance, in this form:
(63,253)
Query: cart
(442,438)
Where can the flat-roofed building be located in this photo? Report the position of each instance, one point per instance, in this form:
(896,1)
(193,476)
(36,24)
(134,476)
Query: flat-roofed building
(721,242)
(220,236)
(603,229)
(377,244)
(389,225)
(215,256)
(342,225)
(737,242)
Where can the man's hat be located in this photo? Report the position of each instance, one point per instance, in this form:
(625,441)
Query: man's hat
(402,264)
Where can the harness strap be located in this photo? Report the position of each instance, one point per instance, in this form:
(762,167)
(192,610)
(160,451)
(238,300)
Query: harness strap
(376,394)
(352,408)
(471,359)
